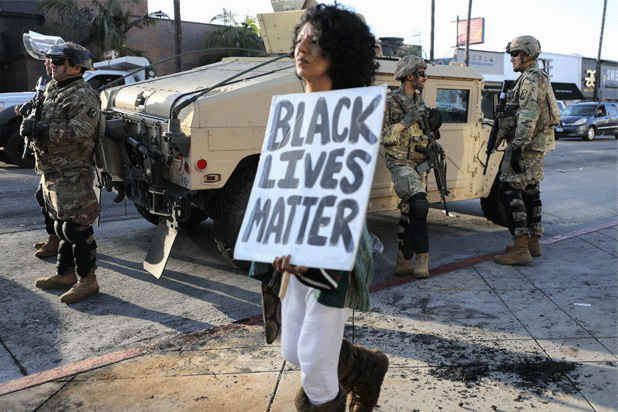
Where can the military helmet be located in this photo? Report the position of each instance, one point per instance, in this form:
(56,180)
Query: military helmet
(79,55)
(408,65)
(525,44)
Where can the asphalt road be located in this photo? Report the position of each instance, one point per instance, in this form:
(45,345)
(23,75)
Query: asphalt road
(200,288)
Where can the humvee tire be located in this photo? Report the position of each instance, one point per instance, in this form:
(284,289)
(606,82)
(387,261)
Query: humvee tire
(229,210)
(493,209)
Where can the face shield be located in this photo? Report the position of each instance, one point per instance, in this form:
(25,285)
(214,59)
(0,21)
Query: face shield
(38,45)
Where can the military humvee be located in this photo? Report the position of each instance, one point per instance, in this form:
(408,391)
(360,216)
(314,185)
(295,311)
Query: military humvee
(185,147)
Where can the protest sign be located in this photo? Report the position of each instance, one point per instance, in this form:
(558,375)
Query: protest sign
(312,186)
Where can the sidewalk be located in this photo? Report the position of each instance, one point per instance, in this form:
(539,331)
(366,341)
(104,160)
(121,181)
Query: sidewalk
(475,336)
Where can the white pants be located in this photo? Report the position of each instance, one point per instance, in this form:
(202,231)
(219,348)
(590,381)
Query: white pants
(311,336)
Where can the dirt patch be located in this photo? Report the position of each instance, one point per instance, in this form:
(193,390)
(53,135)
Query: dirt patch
(539,372)
(532,373)
(467,374)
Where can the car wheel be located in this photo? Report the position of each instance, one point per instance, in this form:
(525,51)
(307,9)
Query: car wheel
(15,148)
(590,134)
(229,211)
(492,207)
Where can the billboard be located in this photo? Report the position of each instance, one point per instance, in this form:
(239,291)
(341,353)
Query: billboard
(477,31)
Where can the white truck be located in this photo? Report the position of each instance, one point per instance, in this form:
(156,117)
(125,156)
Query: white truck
(131,69)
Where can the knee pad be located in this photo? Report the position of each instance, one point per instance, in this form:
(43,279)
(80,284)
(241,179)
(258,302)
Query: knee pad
(38,195)
(74,235)
(507,193)
(419,206)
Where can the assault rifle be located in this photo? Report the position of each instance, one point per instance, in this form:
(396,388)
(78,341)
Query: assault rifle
(35,113)
(436,158)
(493,136)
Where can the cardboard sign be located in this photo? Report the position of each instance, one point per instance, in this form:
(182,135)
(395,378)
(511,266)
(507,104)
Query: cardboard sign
(312,186)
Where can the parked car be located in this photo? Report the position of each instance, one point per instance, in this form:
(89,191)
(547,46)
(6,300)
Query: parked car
(561,104)
(588,120)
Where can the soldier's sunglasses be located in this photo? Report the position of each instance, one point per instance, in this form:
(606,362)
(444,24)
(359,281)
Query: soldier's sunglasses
(57,61)
(515,54)
(422,73)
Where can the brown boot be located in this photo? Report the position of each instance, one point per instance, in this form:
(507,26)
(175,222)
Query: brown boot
(58,281)
(534,247)
(48,248)
(336,405)
(361,371)
(84,287)
(421,263)
(404,266)
(519,254)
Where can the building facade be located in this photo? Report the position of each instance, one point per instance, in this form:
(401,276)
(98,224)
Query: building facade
(573,77)
(19,71)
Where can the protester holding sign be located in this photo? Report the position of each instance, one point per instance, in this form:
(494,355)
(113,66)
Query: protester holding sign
(401,137)
(333,49)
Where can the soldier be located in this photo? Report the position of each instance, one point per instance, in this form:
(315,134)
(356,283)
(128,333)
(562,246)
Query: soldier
(49,247)
(63,141)
(531,113)
(401,134)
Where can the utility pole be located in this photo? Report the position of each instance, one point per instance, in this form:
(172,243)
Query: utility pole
(467,58)
(597,75)
(178,24)
(433,24)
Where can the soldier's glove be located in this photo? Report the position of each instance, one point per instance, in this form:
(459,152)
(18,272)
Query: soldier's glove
(33,128)
(515,158)
(411,117)
(24,110)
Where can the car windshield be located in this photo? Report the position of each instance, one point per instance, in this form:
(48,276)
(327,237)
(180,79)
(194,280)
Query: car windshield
(579,110)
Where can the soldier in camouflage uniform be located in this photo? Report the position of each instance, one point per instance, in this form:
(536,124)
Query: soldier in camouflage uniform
(531,113)
(401,134)
(63,143)
(48,247)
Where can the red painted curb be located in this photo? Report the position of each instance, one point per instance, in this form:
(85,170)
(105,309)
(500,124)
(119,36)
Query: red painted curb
(63,372)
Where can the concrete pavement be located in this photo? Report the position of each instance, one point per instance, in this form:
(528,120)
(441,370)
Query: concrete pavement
(475,336)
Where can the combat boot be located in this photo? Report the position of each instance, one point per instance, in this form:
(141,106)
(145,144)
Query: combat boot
(421,263)
(84,287)
(58,281)
(48,248)
(361,371)
(404,266)
(303,404)
(534,247)
(519,254)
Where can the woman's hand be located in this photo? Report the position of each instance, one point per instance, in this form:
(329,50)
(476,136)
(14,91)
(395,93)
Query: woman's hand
(283,265)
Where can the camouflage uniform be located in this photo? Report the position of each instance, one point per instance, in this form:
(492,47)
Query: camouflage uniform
(530,128)
(64,156)
(401,161)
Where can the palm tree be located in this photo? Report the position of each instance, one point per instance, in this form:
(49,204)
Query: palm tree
(106,23)
(238,39)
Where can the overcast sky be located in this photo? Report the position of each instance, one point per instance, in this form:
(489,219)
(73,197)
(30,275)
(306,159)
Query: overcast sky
(562,26)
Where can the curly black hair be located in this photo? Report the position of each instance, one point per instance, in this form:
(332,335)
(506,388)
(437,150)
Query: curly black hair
(347,40)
